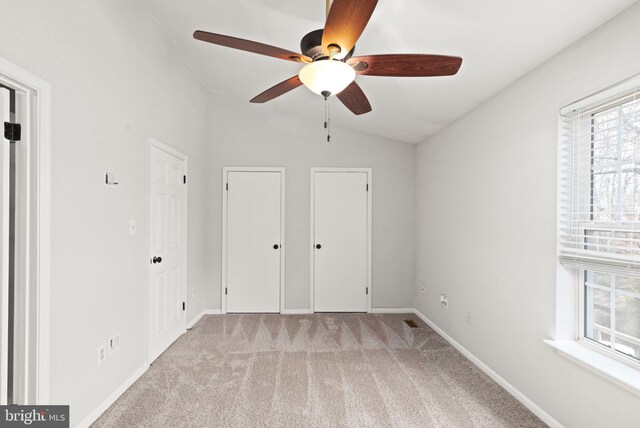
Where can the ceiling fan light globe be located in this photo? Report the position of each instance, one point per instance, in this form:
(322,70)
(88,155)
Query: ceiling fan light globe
(327,75)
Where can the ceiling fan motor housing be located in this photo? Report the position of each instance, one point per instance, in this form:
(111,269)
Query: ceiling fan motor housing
(311,46)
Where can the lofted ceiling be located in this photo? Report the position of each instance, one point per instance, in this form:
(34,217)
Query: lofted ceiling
(500,40)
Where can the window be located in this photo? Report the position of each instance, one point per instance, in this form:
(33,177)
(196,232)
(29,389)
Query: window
(600,215)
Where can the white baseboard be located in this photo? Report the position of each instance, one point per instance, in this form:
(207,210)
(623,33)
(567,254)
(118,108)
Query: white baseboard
(535,409)
(373,311)
(296,311)
(201,314)
(392,310)
(93,416)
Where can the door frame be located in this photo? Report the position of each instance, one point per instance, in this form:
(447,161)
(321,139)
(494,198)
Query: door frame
(283,247)
(36,262)
(154,143)
(312,237)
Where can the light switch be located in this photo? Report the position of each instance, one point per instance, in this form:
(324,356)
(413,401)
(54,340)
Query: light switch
(132,227)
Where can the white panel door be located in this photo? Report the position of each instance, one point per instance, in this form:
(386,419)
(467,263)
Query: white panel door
(167,211)
(253,241)
(340,247)
(4,244)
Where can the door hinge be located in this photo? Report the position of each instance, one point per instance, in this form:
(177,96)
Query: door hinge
(184,306)
(225,291)
(227,186)
(184,179)
(12,131)
(367,187)
(367,288)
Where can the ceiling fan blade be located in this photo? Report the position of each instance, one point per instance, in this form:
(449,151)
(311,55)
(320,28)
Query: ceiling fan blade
(345,23)
(277,90)
(406,65)
(249,46)
(354,99)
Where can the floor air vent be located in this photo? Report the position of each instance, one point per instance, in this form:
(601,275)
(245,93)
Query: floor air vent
(411,323)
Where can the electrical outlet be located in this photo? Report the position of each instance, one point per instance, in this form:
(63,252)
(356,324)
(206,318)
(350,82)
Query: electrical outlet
(193,292)
(444,300)
(132,227)
(114,344)
(423,288)
(469,318)
(102,353)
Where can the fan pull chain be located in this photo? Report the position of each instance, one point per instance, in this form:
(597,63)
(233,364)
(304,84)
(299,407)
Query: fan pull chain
(327,117)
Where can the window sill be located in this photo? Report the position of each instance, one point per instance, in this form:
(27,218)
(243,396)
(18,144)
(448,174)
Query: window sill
(617,372)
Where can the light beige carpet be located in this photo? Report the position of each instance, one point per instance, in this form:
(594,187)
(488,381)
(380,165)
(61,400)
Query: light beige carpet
(321,370)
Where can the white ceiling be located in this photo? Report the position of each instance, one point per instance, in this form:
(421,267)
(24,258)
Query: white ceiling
(500,40)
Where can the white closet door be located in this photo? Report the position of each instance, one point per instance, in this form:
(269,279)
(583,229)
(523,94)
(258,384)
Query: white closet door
(253,241)
(167,319)
(4,244)
(340,247)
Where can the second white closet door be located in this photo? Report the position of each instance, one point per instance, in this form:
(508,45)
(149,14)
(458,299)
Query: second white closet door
(340,248)
(253,241)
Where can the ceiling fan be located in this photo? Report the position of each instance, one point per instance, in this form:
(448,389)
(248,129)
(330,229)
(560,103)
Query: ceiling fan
(330,67)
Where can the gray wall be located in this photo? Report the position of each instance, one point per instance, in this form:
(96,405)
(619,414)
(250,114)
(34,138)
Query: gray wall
(487,228)
(114,83)
(243,134)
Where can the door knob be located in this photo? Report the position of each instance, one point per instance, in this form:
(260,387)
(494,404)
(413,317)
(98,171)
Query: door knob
(156,259)
(318,246)
(275,247)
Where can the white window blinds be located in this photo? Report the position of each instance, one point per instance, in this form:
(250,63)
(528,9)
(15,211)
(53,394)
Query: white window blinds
(600,183)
